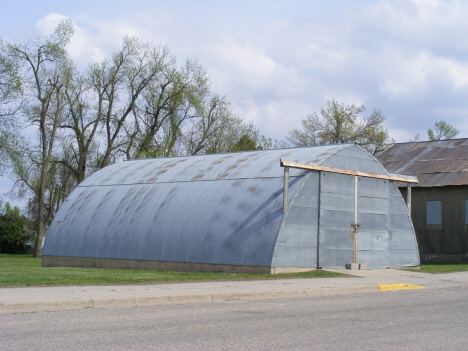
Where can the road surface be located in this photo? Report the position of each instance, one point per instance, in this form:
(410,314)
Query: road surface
(427,319)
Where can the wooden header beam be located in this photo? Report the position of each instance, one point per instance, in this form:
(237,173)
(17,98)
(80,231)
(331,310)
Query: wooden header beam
(397,178)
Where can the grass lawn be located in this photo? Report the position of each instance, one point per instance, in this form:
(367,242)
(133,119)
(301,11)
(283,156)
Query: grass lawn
(442,268)
(24,270)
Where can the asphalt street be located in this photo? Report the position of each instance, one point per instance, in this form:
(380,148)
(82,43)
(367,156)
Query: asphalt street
(425,319)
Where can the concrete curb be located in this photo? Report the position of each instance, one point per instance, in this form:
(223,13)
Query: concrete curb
(36,299)
(180,299)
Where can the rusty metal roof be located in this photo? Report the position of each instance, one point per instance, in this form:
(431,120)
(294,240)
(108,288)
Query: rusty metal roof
(435,163)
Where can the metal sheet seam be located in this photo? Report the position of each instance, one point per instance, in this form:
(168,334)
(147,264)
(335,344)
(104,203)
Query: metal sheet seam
(281,223)
(188,181)
(236,152)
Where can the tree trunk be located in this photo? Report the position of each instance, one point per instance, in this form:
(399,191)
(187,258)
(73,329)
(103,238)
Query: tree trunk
(44,167)
(40,220)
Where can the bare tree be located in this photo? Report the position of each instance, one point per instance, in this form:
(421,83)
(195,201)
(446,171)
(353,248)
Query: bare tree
(82,124)
(215,131)
(168,104)
(118,85)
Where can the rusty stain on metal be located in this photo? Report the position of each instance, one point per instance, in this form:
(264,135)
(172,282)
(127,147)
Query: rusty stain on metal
(104,201)
(242,205)
(231,167)
(242,160)
(252,189)
(198,176)
(435,163)
(226,198)
(400,178)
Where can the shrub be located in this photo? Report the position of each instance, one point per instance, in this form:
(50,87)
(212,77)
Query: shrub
(15,231)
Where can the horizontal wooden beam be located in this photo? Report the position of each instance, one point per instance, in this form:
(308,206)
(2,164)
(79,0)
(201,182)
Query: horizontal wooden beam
(395,177)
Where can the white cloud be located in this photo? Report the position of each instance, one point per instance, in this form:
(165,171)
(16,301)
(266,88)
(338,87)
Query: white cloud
(455,70)
(403,135)
(407,57)
(47,25)
(82,48)
(251,63)
(410,77)
(406,76)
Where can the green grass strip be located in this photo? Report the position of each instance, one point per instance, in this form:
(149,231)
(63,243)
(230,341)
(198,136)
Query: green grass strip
(442,268)
(24,270)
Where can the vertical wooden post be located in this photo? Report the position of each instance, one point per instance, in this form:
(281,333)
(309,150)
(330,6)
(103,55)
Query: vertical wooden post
(408,197)
(285,188)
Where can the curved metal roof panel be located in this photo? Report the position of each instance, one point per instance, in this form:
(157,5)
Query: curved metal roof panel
(221,221)
(252,164)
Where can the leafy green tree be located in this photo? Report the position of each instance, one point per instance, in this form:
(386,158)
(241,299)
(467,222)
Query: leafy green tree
(442,130)
(15,230)
(245,143)
(5,208)
(338,123)
(10,102)
(42,64)
(10,84)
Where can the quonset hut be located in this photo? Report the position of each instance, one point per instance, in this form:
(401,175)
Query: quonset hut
(238,212)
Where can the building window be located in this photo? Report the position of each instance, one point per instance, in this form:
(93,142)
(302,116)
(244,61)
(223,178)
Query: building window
(466,211)
(434,212)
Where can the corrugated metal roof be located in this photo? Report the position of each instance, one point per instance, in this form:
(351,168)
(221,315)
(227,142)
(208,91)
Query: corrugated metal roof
(435,163)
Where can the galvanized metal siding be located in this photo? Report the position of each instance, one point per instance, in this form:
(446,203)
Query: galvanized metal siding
(336,217)
(372,216)
(220,209)
(296,245)
(355,159)
(227,209)
(337,212)
(402,245)
(220,222)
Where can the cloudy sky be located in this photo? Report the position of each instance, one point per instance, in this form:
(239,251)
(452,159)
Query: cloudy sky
(277,61)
